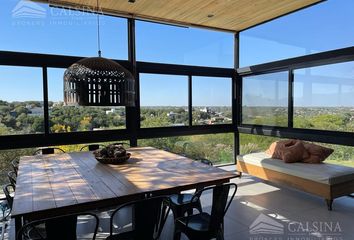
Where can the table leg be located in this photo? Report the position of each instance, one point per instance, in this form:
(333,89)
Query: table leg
(18,225)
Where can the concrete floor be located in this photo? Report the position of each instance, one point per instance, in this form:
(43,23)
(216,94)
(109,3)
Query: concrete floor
(285,214)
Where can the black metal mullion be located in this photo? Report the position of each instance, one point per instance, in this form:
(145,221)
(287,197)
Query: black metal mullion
(311,60)
(236,96)
(132,113)
(291,99)
(190,101)
(45,100)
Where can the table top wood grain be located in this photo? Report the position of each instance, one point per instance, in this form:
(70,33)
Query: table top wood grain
(56,184)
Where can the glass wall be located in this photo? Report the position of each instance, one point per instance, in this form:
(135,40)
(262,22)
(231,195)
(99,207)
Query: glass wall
(216,147)
(265,99)
(250,143)
(163,43)
(51,30)
(319,28)
(78,118)
(324,97)
(163,100)
(6,157)
(211,100)
(21,100)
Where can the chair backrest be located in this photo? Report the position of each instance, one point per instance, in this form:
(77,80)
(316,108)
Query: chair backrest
(9,190)
(125,145)
(63,227)
(92,147)
(149,217)
(14,164)
(220,202)
(206,161)
(49,150)
(12,177)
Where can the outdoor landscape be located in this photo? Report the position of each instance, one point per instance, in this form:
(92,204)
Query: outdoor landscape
(27,118)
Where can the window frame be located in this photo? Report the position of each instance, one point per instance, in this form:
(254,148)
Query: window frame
(289,65)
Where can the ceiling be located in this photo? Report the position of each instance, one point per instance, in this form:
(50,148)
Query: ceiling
(227,15)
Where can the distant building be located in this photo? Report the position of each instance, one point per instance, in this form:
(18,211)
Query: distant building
(206,110)
(172,114)
(113,110)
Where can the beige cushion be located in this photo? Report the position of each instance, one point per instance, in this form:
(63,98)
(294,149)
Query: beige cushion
(323,173)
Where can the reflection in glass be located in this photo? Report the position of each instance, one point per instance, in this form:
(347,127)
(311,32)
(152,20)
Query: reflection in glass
(265,99)
(78,118)
(324,97)
(188,46)
(300,33)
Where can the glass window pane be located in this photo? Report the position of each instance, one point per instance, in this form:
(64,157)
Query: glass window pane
(250,143)
(319,28)
(218,148)
(21,100)
(71,118)
(265,99)
(59,31)
(163,100)
(6,157)
(342,155)
(211,100)
(178,45)
(324,97)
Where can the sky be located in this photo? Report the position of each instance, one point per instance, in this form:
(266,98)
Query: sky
(63,32)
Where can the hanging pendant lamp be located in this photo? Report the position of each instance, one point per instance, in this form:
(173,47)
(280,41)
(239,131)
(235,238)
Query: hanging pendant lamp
(98,81)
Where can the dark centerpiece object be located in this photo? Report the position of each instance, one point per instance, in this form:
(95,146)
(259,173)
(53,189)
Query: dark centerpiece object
(112,154)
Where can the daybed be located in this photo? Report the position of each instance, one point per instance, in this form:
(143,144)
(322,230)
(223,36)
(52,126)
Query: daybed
(326,180)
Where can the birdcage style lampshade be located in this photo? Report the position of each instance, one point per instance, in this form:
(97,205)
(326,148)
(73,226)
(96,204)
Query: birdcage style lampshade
(98,81)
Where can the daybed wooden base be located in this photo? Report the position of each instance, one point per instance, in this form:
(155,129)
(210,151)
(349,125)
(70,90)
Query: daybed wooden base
(328,192)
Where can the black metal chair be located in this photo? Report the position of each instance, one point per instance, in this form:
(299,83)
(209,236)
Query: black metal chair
(12,176)
(126,145)
(92,147)
(14,164)
(49,150)
(205,161)
(204,225)
(148,218)
(9,191)
(6,204)
(58,228)
(182,202)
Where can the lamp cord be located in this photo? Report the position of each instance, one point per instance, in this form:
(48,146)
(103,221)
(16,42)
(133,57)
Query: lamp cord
(98,31)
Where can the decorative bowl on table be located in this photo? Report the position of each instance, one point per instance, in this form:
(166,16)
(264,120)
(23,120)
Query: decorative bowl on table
(112,154)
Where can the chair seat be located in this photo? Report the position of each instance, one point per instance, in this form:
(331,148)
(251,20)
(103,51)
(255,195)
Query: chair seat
(181,199)
(198,222)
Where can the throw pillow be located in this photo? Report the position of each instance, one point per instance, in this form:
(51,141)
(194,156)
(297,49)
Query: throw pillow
(294,153)
(276,148)
(317,153)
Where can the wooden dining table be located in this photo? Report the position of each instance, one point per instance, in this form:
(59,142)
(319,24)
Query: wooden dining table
(59,184)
